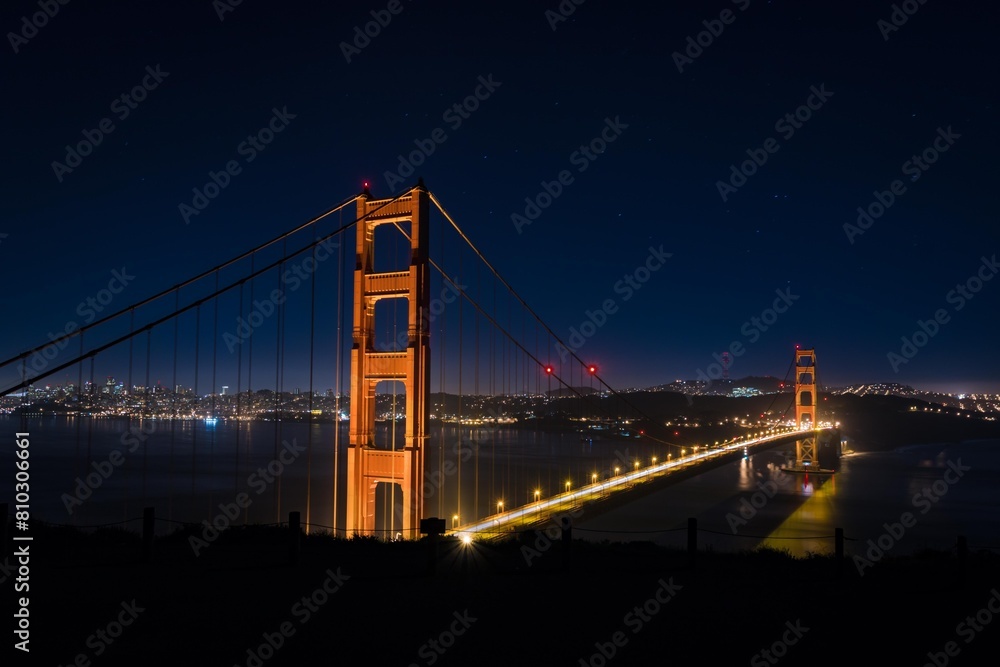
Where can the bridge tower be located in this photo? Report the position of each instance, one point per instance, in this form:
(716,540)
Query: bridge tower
(367,465)
(806,397)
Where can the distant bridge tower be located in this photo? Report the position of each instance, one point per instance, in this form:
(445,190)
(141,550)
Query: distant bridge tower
(366,465)
(805,408)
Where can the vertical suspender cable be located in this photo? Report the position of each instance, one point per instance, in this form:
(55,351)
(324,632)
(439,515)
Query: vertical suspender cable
(458,479)
(173,411)
(196,401)
(79,414)
(442,394)
(128,398)
(79,421)
(493,393)
(250,397)
(475,442)
(278,348)
(239,398)
(215,351)
(146,415)
(90,422)
(337,381)
(309,422)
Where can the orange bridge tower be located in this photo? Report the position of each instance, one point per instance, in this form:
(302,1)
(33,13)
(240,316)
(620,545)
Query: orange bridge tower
(805,408)
(368,465)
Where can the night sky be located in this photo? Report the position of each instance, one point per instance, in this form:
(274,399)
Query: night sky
(833,101)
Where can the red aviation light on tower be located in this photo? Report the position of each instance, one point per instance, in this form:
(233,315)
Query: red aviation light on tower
(592,369)
(548,369)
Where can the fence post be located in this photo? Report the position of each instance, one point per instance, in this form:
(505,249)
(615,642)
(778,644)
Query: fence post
(148,529)
(433,528)
(692,540)
(294,537)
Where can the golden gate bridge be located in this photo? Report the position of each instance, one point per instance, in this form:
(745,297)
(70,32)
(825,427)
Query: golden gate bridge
(440,353)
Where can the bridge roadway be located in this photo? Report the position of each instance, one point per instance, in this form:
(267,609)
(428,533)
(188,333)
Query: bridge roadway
(503,523)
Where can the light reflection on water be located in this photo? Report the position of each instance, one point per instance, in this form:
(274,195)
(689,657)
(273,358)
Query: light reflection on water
(869,491)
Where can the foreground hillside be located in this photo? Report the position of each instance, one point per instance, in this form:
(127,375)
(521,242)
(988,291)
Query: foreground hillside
(486,605)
